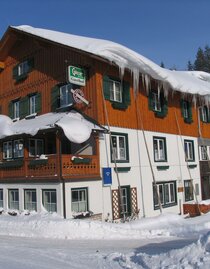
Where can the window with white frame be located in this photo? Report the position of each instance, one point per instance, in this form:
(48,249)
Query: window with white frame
(30,200)
(23,68)
(188,190)
(1,198)
(65,95)
(13,199)
(119,147)
(32,104)
(49,200)
(79,200)
(203,153)
(115,91)
(16,109)
(156,102)
(7,150)
(203,114)
(159,144)
(189,150)
(185,110)
(18,148)
(36,147)
(166,192)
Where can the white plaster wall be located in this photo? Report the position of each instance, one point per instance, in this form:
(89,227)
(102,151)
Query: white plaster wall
(140,175)
(95,195)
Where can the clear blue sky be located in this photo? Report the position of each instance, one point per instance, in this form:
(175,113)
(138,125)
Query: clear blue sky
(162,30)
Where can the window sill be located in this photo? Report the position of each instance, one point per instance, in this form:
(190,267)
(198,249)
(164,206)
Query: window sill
(191,166)
(121,106)
(11,164)
(122,169)
(162,167)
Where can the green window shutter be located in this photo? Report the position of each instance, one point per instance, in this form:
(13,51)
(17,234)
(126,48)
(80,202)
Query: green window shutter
(106,87)
(126,93)
(24,107)
(30,64)
(150,100)
(15,72)
(208,114)
(10,109)
(55,93)
(38,102)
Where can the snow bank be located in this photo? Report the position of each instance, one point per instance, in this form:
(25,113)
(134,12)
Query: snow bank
(185,82)
(52,226)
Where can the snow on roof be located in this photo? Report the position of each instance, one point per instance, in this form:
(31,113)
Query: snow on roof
(75,127)
(194,82)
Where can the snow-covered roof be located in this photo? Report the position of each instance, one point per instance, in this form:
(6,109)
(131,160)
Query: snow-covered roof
(75,127)
(194,82)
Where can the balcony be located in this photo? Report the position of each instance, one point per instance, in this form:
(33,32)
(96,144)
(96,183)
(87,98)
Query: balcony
(53,167)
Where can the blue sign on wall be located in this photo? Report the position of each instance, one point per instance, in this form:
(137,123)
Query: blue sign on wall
(107,176)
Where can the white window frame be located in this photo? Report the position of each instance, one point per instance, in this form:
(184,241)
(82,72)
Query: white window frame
(159,153)
(49,205)
(119,153)
(65,95)
(185,110)
(189,150)
(7,150)
(156,102)
(36,141)
(203,114)
(13,199)
(16,109)
(203,153)
(115,91)
(170,186)
(23,68)
(81,205)
(32,104)
(29,202)
(188,186)
(18,148)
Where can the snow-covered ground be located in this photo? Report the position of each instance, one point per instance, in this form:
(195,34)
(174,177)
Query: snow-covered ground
(48,242)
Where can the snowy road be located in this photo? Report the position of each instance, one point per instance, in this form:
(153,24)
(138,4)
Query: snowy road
(33,253)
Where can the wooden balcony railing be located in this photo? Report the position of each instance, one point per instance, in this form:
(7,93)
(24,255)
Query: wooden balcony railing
(71,166)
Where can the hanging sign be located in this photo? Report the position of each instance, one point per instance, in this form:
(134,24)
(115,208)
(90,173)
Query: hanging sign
(78,96)
(76,75)
(107,176)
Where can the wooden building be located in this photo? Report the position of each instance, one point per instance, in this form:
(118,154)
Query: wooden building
(75,132)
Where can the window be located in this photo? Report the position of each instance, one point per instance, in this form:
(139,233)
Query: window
(188,190)
(79,202)
(119,147)
(189,150)
(36,147)
(32,104)
(30,200)
(50,200)
(21,70)
(16,109)
(65,95)
(117,92)
(7,150)
(13,199)
(203,153)
(204,114)
(166,192)
(126,202)
(18,148)
(159,144)
(1,198)
(158,103)
(186,109)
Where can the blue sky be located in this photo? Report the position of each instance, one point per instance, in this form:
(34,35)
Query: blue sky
(161,30)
